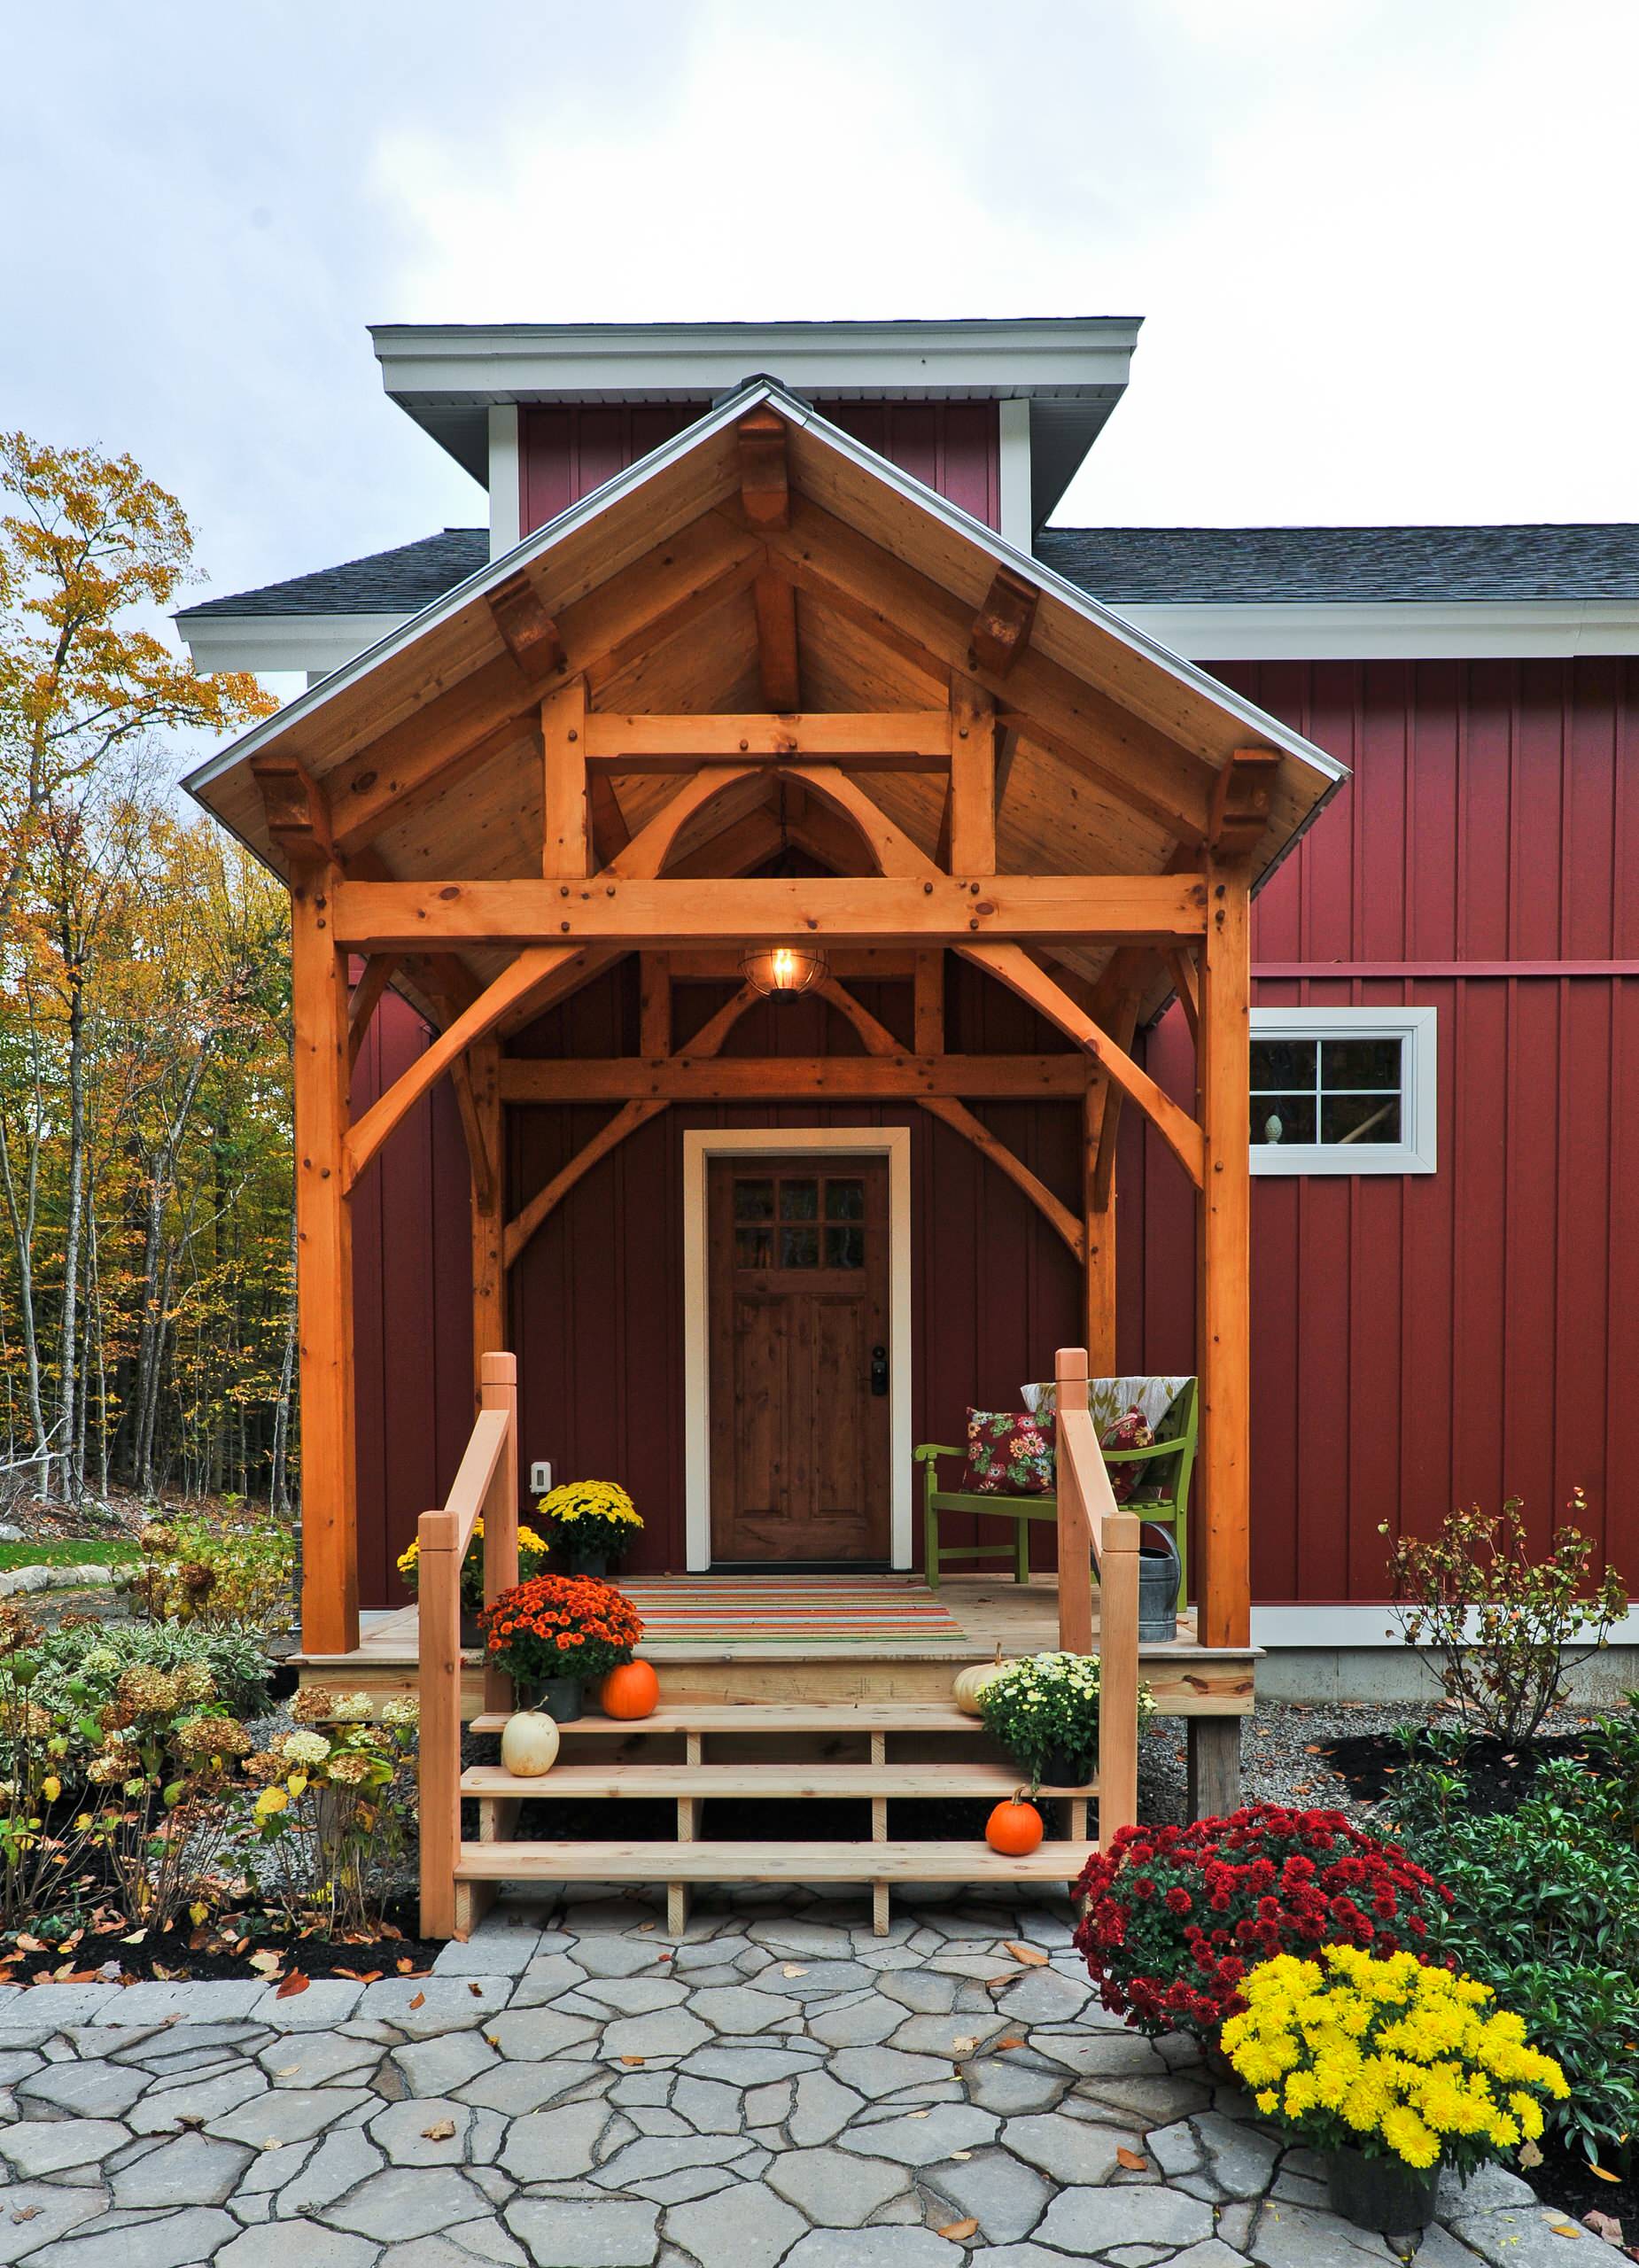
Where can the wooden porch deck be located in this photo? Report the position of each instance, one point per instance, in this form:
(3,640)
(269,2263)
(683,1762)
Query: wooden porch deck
(1187,1679)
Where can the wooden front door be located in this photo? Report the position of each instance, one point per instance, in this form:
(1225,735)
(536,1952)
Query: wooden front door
(798,1335)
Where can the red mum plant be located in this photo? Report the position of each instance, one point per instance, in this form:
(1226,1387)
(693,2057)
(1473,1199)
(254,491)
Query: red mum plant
(1175,1916)
(561,1626)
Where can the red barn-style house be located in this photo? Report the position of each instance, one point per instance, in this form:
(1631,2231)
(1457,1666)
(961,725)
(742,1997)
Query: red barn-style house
(786,953)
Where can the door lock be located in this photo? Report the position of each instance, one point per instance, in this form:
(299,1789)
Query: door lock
(879,1370)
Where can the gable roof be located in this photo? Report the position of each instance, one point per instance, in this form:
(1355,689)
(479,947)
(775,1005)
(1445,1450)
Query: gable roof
(402,580)
(1136,730)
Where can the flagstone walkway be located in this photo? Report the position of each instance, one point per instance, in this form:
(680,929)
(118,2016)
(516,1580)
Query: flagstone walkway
(778,2090)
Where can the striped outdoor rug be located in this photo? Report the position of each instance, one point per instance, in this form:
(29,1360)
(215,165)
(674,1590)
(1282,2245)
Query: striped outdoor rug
(799,1610)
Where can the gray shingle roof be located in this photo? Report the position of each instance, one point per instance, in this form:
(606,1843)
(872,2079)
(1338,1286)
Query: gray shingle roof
(1152,566)
(400,581)
(1120,566)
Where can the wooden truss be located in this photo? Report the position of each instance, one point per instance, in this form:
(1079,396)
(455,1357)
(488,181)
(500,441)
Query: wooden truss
(678,886)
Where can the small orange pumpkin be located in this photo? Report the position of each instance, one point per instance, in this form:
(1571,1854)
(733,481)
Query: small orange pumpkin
(1015,1827)
(632,1690)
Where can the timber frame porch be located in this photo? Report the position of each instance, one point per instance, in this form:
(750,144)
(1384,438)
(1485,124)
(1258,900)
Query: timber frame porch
(763,638)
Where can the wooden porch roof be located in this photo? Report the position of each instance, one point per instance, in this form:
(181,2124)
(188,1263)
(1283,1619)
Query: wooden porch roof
(672,594)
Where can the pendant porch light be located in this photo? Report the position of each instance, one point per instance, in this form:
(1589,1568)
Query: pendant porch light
(783,968)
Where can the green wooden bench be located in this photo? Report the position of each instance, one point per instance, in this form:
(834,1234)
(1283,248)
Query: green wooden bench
(1162,1494)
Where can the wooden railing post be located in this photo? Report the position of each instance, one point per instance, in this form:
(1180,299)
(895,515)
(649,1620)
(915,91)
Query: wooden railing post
(1118,1674)
(499,1390)
(439,1590)
(1069,1370)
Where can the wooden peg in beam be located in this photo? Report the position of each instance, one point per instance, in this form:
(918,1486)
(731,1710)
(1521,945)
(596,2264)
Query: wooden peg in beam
(765,486)
(1243,797)
(297,810)
(1001,629)
(530,632)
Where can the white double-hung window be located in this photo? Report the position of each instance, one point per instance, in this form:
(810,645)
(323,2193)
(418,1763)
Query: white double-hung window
(1343,1089)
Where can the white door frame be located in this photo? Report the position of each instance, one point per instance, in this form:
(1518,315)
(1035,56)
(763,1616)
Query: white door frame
(700,1145)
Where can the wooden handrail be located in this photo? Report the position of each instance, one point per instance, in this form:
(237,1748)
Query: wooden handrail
(1094,1530)
(486,1481)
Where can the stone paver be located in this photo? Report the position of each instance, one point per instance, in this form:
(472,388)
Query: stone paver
(778,2090)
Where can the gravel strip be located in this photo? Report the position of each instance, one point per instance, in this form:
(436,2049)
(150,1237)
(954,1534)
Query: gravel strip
(1278,1763)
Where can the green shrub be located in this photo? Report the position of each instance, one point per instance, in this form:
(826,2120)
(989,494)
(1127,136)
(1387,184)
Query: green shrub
(1545,1908)
(79,1664)
(236,1575)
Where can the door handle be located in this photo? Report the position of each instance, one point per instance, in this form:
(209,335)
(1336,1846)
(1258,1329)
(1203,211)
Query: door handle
(879,1370)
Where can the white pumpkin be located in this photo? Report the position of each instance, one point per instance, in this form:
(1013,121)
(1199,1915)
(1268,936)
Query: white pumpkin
(529,1744)
(971,1683)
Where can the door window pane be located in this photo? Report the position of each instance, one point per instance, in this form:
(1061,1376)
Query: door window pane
(799,1200)
(844,1247)
(845,1200)
(754,1200)
(754,1247)
(799,1248)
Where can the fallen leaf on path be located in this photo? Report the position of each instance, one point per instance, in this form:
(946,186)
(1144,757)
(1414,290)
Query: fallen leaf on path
(26,2213)
(793,1969)
(1604,2225)
(920,2114)
(1602,2174)
(442,2130)
(1032,1956)
(293,1984)
(1134,2161)
(632,2059)
(1562,2228)
(963,2047)
(475,1988)
(189,2118)
(287,2071)
(961,2154)
(267,1964)
(958,2231)
(420,2001)
(1011,2041)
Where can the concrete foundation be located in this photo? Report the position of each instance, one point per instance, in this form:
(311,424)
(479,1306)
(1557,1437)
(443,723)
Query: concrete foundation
(1391,1674)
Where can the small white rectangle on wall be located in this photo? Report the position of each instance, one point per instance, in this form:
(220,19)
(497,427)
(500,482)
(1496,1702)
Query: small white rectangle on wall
(540,1477)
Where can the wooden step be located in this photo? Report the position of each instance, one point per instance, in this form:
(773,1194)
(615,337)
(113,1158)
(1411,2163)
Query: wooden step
(726,1863)
(566,1781)
(769,1717)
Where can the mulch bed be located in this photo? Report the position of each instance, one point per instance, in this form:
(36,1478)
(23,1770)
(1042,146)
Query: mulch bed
(244,1945)
(1497,1779)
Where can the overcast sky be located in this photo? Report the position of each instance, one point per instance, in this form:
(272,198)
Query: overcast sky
(1385,249)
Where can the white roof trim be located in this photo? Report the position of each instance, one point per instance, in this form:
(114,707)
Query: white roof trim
(1261,726)
(285,641)
(1384,630)
(1049,356)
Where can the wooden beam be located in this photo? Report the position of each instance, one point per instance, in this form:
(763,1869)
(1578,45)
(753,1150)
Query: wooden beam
(567,837)
(479,1077)
(1243,799)
(379,972)
(660,1077)
(1001,629)
(1099,1230)
(1022,975)
(610,832)
(1224,1562)
(626,1120)
(1181,968)
(871,964)
(633,742)
(929,1003)
(297,811)
(881,1041)
(654,1007)
(973,779)
(329,1607)
(779,658)
(1122,1021)
(765,483)
(375,917)
(1130,758)
(529,633)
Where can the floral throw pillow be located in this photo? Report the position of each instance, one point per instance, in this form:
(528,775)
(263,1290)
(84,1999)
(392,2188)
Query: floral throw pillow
(1009,1453)
(1129,1431)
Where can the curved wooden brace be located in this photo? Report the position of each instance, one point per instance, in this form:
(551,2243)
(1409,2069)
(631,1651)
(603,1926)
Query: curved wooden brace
(879,1041)
(625,1121)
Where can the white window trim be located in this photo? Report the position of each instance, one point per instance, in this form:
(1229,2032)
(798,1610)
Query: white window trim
(700,1145)
(1415,1151)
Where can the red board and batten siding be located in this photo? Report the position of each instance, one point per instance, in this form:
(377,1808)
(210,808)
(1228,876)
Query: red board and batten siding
(566,452)
(1433,1340)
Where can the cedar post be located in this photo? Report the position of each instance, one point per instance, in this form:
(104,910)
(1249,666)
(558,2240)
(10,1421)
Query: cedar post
(330,1542)
(1098,1231)
(499,1390)
(439,1642)
(1069,1370)
(489,1208)
(1226,1579)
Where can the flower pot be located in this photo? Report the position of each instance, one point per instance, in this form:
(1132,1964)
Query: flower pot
(471,1633)
(1069,1771)
(558,1697)
(1381,2194)
(590,1563)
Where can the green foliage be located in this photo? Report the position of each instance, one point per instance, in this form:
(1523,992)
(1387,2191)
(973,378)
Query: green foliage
(1045,1711)
(335,1815)
(1502,1623)
(1546,1909)
(76,1552)
(232,1575)
(93,1654)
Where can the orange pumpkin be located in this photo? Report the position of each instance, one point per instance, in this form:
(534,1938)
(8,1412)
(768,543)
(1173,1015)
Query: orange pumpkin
(632,1690)
(1015,1827)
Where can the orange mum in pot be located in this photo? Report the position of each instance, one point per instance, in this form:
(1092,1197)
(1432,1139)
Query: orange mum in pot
(560,1626)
